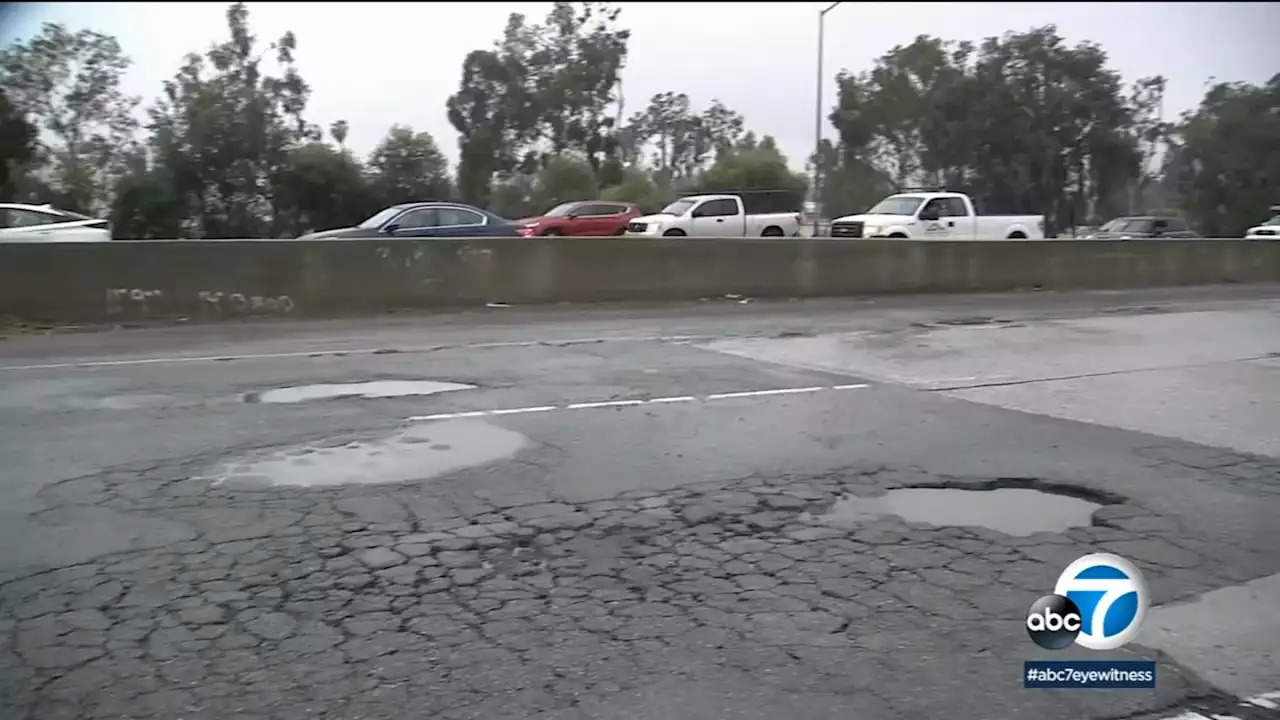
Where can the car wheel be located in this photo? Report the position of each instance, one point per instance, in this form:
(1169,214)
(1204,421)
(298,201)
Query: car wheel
(551,233)
(673,233)
(1018,235)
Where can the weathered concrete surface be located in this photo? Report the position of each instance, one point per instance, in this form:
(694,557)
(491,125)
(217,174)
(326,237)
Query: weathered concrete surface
(1206,375)
(1242,618)
(228,278)
(651,561)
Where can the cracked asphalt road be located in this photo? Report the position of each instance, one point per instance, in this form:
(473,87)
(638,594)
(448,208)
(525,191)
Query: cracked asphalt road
(656,561)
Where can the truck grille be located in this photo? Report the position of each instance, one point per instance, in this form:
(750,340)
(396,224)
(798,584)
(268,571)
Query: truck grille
(636,227)
(846,229)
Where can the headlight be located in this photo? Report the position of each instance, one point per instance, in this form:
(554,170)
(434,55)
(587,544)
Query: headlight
(872,230)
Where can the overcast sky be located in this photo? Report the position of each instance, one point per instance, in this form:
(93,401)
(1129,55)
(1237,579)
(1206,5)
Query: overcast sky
(375,64)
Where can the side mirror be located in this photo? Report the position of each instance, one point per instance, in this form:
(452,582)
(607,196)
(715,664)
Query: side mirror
(930,214)
(390,228)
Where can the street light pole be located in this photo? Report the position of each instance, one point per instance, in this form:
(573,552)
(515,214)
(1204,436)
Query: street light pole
(817,121)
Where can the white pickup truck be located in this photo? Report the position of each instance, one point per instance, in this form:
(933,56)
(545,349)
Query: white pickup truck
(714,216)
(936,216)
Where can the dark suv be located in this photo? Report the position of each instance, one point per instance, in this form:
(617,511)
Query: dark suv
(1145,226)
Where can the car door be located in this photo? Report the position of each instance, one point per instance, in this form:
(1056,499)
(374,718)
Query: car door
(1178,228)
(942,227)
(578,221)
(959,223)
(592,219)
(612,218)
(714,218)
(455,221)
(419,222)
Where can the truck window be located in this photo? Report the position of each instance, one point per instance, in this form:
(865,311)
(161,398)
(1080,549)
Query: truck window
(937,205)
(954,207)
(717,208)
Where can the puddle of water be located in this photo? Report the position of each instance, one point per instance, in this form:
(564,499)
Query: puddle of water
(373,389)
(1012,511)
(416,453)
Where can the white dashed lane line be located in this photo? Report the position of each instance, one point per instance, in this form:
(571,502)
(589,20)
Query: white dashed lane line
(669,400)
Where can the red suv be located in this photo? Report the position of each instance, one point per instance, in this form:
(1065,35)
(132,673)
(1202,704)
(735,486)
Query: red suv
(592,218)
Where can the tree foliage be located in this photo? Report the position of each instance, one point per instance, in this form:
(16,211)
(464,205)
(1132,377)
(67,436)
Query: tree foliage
(68,84)
(1023,122)
(1026,122)
(17,145)
(543,89)
(1225,157)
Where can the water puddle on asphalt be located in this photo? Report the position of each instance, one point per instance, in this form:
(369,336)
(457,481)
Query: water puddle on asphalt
(372,389)
(1012,511)
(418,452)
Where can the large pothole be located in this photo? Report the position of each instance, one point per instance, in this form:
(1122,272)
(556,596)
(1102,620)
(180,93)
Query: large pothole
(1013,506)
(418,452)
(371,389)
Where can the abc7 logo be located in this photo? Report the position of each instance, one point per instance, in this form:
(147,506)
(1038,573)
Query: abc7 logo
(1053,622)
(1116,598)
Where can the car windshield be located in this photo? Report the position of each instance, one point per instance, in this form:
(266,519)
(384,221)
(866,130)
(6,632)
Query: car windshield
(561,210)
(678,207)
(380,219)
(1274,221)
(897,205)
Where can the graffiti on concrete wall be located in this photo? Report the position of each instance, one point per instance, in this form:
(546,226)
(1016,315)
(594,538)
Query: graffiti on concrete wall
(218,302)
(131,300)
(140,301)
(392,259)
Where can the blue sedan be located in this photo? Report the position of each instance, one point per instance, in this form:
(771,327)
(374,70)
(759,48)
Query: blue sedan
(424,220)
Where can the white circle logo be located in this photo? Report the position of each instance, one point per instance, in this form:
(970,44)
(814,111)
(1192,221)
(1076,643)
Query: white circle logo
(1111,596)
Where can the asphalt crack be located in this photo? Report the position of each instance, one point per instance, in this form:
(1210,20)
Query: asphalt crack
(324,601)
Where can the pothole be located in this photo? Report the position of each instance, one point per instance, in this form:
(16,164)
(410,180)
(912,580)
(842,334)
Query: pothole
(963,321)
(371,389)
(1019,511)
(966,322)
(418,452)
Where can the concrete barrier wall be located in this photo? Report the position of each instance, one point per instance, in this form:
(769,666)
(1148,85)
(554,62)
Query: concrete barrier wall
(228,278)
